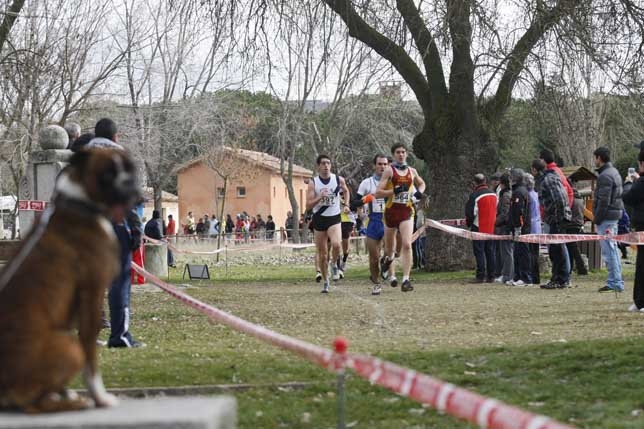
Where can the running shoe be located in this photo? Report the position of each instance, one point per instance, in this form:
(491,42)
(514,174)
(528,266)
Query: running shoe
(385,263)
(318,277)
(341,273)
(335,274)
(343,266)
(406,286)
(393,282)
(377,288)
(325,287)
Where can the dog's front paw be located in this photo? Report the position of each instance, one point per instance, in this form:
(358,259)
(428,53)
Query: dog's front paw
(106,400)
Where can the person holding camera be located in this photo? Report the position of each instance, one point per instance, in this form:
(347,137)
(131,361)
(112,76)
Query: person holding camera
(398,185)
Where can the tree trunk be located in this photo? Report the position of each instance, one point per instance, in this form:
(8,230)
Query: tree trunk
(158,197)
(453,157)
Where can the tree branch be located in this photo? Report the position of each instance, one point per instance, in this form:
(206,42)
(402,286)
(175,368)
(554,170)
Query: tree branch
(428,50)
(543,21)
(9,19)
(386,48)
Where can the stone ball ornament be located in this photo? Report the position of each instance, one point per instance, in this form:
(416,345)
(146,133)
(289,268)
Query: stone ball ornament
(53,137)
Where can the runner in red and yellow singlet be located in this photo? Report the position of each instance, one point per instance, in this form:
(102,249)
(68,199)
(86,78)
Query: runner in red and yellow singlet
(399,184)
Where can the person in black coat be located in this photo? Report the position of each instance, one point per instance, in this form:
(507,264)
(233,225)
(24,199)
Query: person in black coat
(634,197)
(153,228)
(519,223)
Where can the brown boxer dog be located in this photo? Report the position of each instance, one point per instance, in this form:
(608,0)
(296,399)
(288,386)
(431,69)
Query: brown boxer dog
(56,283)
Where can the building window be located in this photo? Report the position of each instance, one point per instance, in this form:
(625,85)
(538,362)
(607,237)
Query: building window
(220,193)
(241,192)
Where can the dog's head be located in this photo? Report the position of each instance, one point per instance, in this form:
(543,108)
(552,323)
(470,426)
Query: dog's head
(107,177)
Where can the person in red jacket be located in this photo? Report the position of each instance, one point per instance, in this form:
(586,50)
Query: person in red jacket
(480,214)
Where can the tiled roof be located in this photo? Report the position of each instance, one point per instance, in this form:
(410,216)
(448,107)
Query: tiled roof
(261,158)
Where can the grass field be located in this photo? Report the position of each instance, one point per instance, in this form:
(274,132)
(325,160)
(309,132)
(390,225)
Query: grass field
(575,355)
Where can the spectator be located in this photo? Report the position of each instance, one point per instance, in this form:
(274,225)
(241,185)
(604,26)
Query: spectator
(81,142)
(253,227)
(420,259)
(480,216)
(153,226)
(199,229)
(213,230)
(519,220)
(535,227)
(170,231)
(190,224)
(607,209)
(270,228)
(576,226)
(128,234)
(239,229)
(288,225)
(73,133)
(261,227)
(206,225)
(556,211)
(229,227)
(548,157)
(502,227)
(634,197)
(495,186)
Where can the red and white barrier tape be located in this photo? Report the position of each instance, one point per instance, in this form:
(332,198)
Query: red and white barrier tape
(630,238)
(456,401)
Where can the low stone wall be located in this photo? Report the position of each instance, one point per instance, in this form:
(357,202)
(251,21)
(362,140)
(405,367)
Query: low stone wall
(189,412)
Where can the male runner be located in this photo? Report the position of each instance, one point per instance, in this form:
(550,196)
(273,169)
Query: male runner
(398,185)
(323,197)
(375,228)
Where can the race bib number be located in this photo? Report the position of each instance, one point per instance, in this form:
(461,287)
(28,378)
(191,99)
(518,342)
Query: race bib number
(378,206)
(402,198)
(328,200)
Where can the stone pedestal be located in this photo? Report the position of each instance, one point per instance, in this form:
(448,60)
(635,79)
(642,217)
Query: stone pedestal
(38,181)
(156,259)
(188,412)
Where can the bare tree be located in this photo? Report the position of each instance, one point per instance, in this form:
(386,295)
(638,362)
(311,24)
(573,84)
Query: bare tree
(463,67)
(51,68)
(308,59)
(174,53)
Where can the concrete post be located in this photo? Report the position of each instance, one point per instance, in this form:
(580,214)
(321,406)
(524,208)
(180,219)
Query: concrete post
(156,259)
(41,172)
